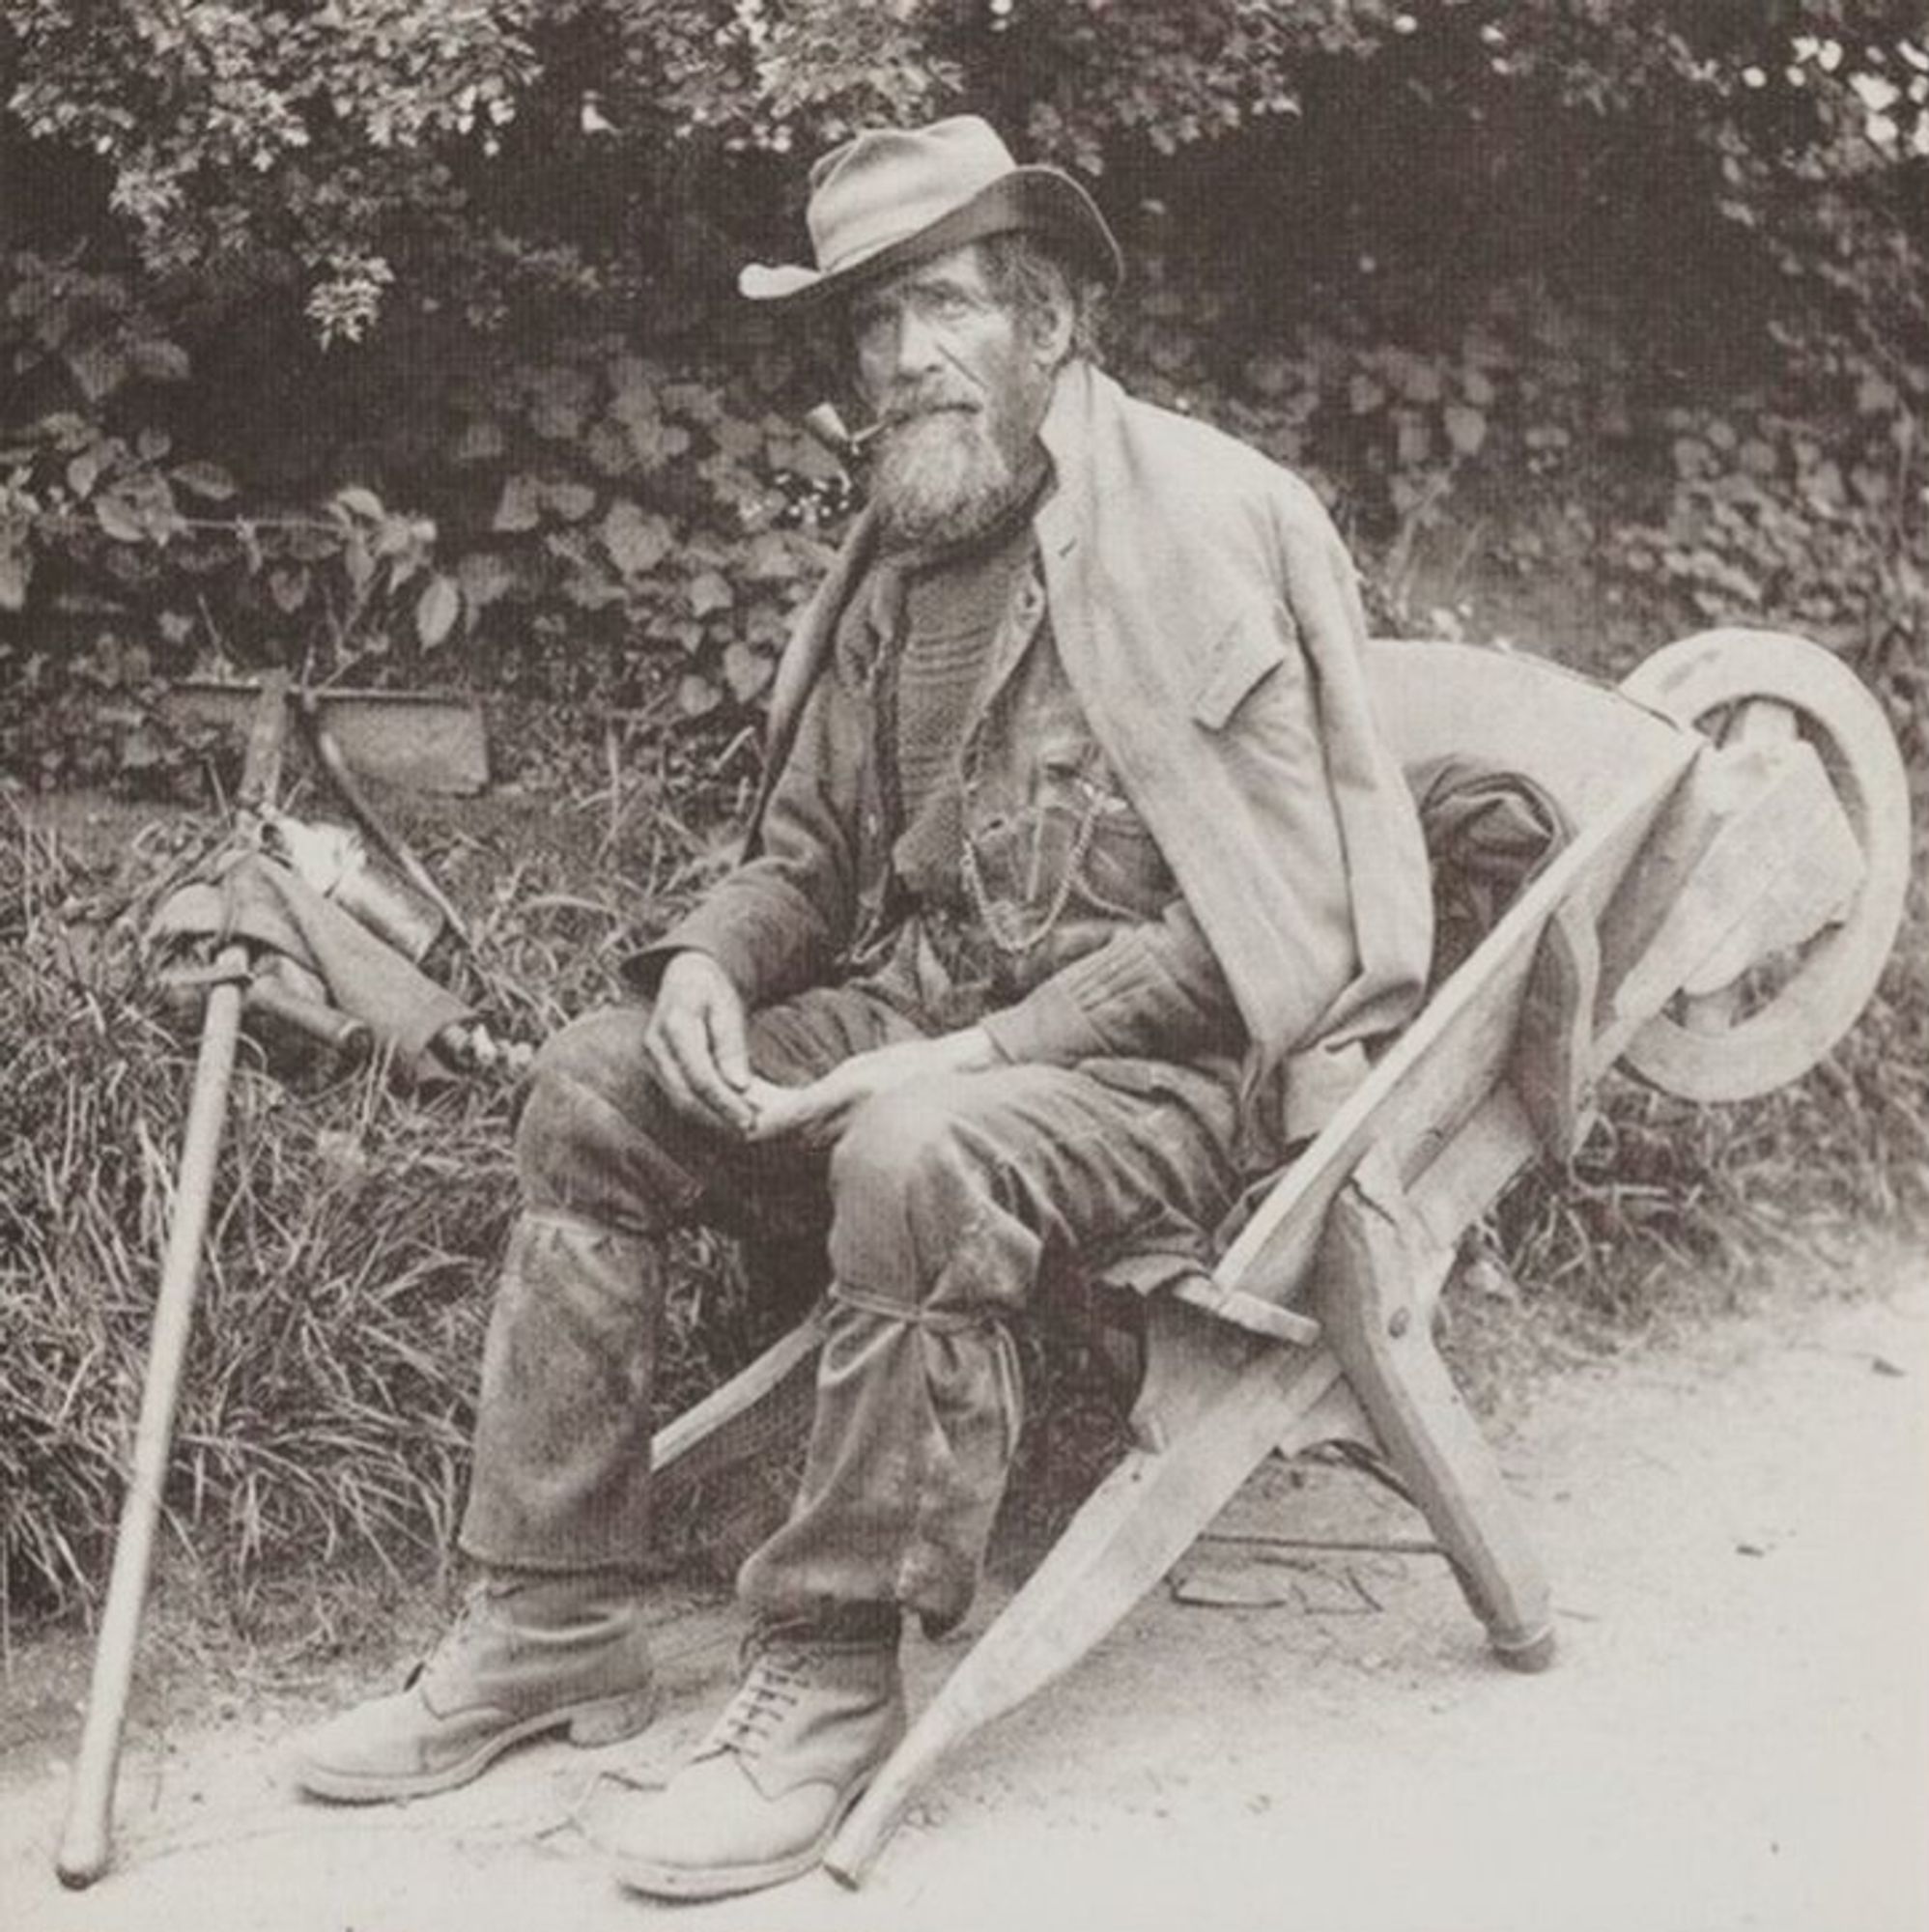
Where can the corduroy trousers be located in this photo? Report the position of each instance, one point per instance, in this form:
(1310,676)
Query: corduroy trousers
(941,1204)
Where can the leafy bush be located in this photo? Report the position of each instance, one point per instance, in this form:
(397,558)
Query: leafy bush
(607,516)
(518,225)
(1816,520)
(354,150)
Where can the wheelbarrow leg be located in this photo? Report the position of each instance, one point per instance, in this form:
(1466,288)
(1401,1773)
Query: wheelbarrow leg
(1131,1531)
(1372,1273)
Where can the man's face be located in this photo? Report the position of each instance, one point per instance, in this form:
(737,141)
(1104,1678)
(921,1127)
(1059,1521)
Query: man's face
(960,384)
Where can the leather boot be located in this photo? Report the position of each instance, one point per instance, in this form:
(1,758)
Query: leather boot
(527,1653)
(768,1788)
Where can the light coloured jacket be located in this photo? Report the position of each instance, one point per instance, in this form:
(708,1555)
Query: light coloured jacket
(1209,618)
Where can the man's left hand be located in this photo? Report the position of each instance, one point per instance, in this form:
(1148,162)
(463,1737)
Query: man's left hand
(817,1114)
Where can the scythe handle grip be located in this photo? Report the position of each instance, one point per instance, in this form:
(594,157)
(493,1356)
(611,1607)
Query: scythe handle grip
(87,1838)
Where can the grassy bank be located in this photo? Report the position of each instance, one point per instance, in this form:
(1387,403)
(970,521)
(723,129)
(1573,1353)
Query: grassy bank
(327,1413)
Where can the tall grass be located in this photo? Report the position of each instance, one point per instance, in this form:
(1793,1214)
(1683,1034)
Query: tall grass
(336,1326)
(347,1275)
(326,1411)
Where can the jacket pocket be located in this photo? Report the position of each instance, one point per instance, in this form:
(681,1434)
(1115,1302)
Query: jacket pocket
(1087,829)
(1121,873)
(1252,646)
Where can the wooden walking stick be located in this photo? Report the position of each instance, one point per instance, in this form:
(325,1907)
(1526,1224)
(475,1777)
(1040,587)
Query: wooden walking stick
(86,1843)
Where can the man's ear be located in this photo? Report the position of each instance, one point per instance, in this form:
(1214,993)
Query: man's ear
(1053,327)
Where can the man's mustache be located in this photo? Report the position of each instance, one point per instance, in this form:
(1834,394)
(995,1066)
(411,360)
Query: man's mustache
(928,402)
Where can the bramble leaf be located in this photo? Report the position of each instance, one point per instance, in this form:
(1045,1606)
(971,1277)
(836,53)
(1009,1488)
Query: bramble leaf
(635,540)
(520,507)
(207,480)
(1465,427)
(436,610)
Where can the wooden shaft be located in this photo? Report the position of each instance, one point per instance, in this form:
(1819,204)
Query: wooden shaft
(1374,1295)
(316,1019)
(388,843)
(87,1841)
(1131,1531)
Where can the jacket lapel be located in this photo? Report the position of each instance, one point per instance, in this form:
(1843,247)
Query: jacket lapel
(805,655)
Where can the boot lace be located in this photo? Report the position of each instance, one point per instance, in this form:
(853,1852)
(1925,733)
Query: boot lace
(476,1605)
(778,1677)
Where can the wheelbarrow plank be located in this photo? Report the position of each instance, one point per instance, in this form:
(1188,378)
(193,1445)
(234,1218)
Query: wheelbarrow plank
(1446,1062)
(1756,855)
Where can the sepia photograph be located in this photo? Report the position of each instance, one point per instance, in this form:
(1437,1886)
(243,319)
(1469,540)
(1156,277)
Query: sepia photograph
(964,965)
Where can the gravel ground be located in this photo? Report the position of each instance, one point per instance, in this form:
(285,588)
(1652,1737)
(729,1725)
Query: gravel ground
(1736,1735)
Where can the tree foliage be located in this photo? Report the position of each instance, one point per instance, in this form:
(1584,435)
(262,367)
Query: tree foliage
(351,143)
(475,258)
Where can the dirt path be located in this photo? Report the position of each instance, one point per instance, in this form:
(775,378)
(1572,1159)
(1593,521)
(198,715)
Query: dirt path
(1737,1734)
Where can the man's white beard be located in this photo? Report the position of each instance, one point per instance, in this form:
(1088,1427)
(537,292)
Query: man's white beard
(940,478)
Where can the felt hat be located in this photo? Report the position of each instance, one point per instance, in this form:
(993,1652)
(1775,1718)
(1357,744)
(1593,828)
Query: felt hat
(889,197)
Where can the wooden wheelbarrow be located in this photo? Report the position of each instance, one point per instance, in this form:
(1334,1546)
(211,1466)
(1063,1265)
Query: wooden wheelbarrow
(1718,918)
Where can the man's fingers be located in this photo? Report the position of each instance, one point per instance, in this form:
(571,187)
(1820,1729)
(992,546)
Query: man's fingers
(706,1093)
(773,1123)
(669,1070)
(784,1111)
(778,1111)
(727,1049)
(662,1062)
(809,1114)
(767,1100)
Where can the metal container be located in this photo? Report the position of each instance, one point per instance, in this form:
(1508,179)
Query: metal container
(333,859)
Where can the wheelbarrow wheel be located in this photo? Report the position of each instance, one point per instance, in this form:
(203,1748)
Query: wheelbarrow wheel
(1781,1018)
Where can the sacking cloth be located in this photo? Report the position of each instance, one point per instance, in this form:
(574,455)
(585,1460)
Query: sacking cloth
(264,902)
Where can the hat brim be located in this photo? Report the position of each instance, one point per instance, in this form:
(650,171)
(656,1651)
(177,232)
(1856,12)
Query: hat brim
(1037,199)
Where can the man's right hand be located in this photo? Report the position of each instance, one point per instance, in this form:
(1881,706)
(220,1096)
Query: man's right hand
(695,1043)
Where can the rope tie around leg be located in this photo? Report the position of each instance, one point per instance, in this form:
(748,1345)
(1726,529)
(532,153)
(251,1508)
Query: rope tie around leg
(886,1308)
